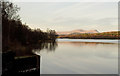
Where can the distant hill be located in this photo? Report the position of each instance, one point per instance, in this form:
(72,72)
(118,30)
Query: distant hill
(78,31)
(93,35)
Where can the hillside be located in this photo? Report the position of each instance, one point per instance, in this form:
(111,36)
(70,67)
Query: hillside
(103,35)
(78,31)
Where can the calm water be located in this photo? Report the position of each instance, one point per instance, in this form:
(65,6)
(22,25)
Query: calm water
(80,56)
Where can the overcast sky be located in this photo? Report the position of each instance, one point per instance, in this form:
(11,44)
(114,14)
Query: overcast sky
(63,16)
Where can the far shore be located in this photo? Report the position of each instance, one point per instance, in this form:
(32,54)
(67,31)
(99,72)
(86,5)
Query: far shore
(92,38)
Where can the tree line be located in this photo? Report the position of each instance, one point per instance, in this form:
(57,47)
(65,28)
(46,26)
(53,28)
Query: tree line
(14,31)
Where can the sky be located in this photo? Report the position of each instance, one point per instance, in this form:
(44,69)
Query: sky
(66,16)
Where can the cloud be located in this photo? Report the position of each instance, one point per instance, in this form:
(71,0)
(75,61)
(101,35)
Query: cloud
(108,22)
(74,15)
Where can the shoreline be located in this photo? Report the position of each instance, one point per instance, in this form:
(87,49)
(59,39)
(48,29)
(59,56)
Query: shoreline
(92,38)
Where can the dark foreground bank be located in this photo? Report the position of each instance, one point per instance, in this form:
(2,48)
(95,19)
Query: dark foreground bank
(20,66)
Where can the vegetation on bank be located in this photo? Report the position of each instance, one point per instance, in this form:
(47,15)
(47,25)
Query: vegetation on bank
(103,35)
(14,32)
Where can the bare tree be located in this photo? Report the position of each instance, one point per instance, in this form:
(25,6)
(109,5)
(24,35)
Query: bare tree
(9,10)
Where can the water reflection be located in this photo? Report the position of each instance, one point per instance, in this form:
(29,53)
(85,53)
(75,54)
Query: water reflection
(67,57)
(46,46)
(79,57)
(24,61)
(78,44)
(100,49)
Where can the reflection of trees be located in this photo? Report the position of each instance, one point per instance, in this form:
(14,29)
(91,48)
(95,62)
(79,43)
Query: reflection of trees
(85,43)
(28,50)
(49,46)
